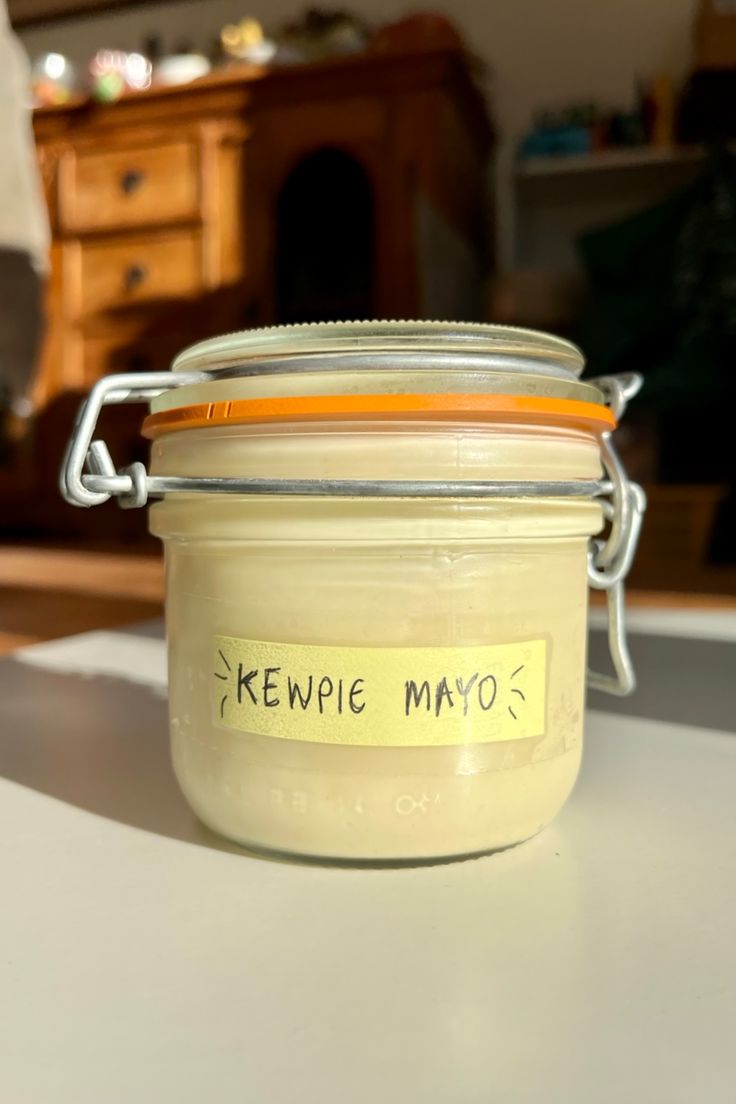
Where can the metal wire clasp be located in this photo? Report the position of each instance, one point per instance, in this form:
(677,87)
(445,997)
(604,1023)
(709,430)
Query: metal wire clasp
(609,560)
(129,485)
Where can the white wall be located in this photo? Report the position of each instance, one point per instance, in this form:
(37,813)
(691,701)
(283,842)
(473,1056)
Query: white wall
(540,52)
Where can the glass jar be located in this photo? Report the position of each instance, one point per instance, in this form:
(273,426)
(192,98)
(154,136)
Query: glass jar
(378,543)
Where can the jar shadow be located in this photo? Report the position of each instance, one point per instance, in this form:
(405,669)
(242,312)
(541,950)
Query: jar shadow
(98,742)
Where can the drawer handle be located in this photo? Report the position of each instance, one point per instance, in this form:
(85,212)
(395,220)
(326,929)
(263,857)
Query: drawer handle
(131,181)
(134,276)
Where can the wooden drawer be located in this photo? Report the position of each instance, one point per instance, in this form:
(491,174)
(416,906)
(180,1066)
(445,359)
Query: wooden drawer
(138,270)
(109,190)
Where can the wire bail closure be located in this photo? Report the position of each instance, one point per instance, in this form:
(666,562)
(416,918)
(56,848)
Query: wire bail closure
(89,478)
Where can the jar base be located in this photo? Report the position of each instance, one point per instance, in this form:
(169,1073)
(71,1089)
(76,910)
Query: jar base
(304,858)
(483,813)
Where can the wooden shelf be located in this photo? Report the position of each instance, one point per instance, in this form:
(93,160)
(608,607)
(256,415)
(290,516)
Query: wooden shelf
(51,592)
(606,160)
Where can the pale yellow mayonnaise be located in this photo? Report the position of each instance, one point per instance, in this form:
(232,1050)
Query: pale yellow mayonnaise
(407,573)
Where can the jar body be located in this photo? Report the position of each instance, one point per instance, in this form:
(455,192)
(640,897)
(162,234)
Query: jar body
(379,574)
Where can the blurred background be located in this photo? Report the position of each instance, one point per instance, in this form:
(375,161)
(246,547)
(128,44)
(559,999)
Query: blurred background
(209,165)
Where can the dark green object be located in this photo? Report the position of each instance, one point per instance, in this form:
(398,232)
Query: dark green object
(663,303)
(663,294)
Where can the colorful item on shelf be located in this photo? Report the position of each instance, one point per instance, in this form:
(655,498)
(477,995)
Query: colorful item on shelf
(114,72)
(245,41)
(555,142)
(53,80)
(180,69)
(584,128)
(323,33)
(662,93)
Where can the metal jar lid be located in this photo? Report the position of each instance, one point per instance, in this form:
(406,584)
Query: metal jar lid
(451,344)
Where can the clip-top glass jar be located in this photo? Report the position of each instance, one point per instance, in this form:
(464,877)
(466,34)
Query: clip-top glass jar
(379,545)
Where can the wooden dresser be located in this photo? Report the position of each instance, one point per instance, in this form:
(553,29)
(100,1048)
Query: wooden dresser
(180,213)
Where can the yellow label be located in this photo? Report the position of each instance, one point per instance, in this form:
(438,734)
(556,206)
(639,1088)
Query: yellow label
(388,697)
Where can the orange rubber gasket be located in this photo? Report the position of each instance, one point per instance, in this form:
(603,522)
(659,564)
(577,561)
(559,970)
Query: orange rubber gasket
(299,408)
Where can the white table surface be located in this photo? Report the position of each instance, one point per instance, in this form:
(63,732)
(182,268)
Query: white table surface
(142,961)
